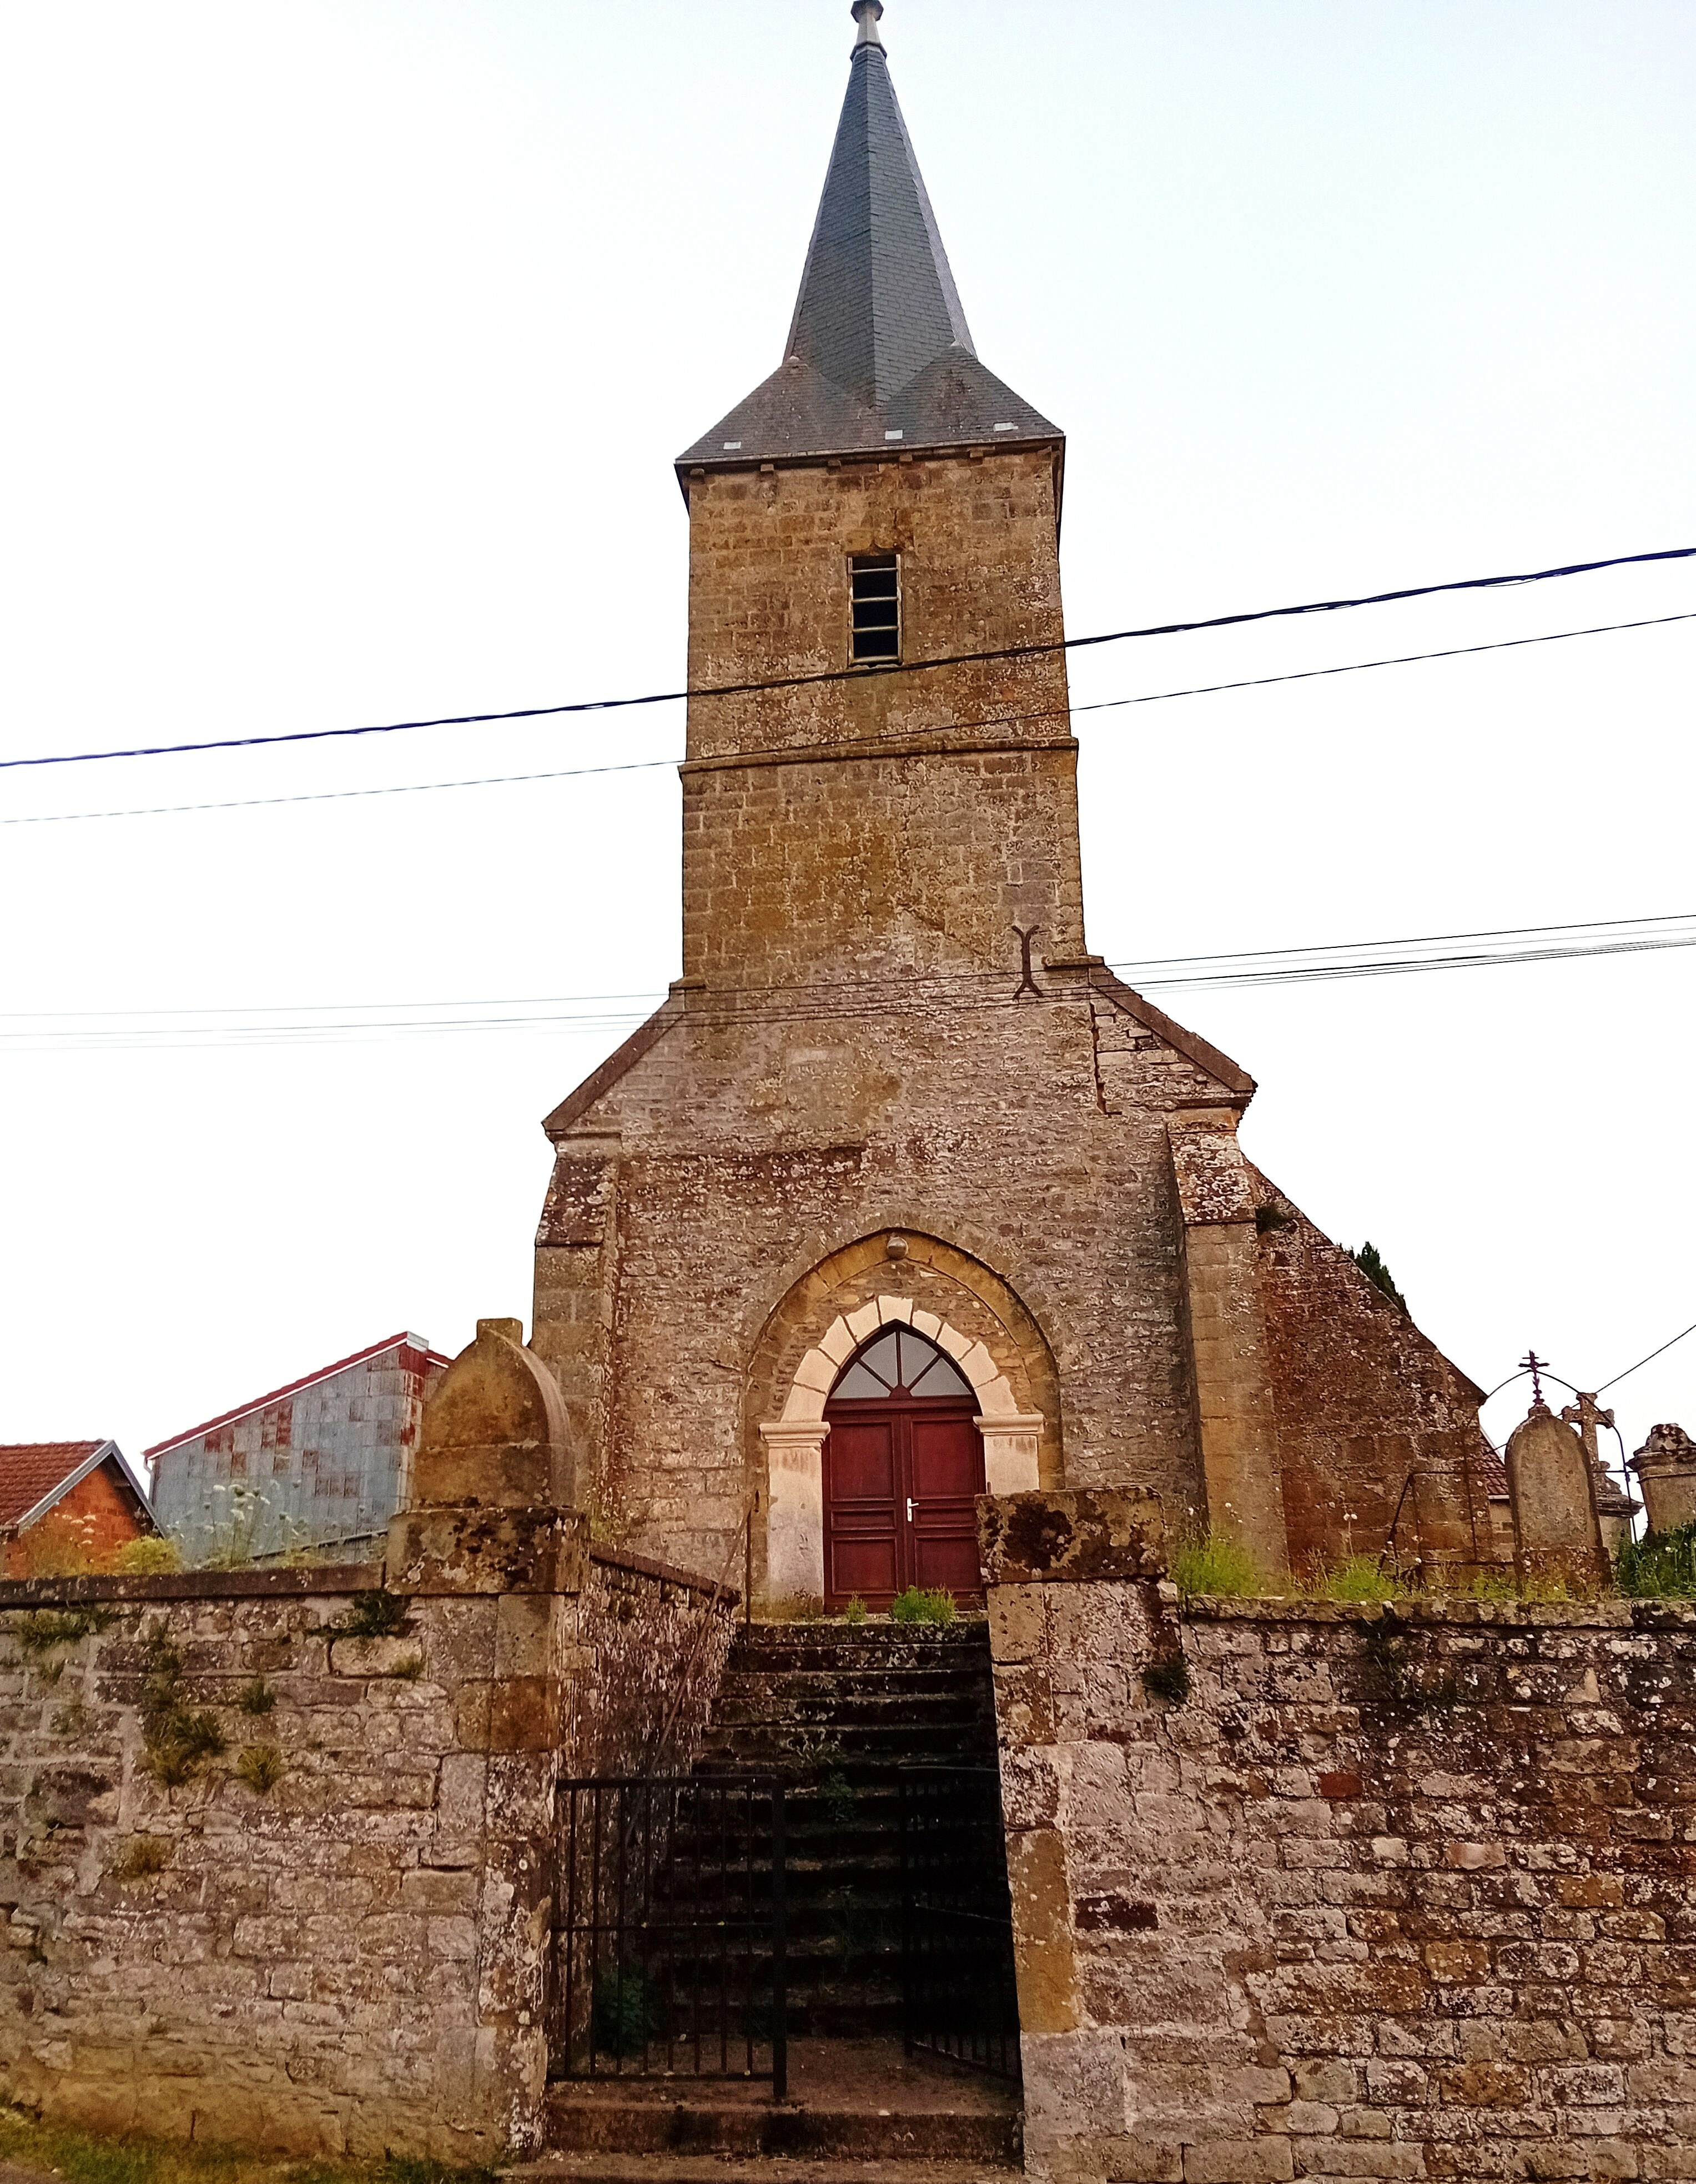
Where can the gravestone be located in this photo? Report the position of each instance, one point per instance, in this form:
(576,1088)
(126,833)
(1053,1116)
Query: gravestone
(1552,1491)
(1666,1466)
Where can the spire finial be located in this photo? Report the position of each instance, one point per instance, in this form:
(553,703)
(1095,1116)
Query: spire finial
(867,13)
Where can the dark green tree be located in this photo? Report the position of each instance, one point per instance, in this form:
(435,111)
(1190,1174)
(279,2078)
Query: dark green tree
(1368,1261)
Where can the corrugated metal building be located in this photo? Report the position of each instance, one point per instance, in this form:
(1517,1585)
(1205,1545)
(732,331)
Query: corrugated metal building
(321,1465)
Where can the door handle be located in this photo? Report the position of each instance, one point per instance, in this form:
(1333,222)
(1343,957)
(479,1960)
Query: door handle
(910,1508)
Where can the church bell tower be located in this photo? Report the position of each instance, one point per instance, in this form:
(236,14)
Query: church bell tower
(881,503)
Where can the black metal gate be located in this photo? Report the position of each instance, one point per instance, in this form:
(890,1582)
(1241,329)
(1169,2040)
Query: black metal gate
(668,1929)
(957,1918)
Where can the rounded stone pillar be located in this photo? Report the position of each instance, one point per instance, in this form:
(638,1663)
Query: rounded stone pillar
(1666,1466)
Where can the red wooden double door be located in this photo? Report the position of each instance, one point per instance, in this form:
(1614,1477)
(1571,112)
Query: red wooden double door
(903,1468)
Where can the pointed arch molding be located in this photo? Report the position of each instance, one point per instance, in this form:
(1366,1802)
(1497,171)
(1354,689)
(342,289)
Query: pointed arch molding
(795,1441)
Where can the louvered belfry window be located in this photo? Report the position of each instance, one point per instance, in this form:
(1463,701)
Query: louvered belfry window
(875,589)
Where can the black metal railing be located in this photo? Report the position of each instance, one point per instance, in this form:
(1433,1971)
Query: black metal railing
(668,1954)
(957,1918)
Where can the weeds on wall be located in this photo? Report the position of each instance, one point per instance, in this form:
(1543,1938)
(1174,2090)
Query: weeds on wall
(141,1858)
(1213,1564)
(916,1605)
(374,1615)
(178,1739)
(1402,1679)
(1359,1576)
(1167,1676)
(1662,1567)
(856,1611)
(256,1696)
(44,1628)
(72,1719)
(261,1767)
(148,1557)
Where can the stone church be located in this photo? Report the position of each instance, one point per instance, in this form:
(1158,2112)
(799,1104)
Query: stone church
(902,1195)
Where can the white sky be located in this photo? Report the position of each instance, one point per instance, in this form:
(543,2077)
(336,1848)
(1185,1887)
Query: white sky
(348,350)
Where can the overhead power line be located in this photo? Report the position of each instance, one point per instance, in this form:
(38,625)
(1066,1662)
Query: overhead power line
(109,1030)
(1649,1360)
(857,674)
(951,727)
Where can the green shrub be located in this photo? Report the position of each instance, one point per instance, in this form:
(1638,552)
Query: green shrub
(1372,1265)
(855,1612)
(915,1605)
(1214,1564)
(1662,1567)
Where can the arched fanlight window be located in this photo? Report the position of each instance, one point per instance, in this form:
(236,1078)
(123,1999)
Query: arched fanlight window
(901,1362)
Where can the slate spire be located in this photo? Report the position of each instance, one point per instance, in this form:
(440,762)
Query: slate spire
(877,301)
(879,350)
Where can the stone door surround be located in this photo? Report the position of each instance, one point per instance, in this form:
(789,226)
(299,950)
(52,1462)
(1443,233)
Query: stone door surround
(794,1443)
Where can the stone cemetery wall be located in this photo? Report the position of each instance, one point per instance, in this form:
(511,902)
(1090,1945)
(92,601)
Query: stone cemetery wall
(267,1880)
(1317,1892)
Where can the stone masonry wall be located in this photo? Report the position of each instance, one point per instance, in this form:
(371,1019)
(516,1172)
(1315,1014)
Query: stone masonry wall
(1363,1401)
(351,1956)
(1384,1896)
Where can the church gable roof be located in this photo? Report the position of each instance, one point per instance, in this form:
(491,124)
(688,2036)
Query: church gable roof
(879,350)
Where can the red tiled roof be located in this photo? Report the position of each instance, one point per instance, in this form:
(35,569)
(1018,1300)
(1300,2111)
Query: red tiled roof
(404,1340)
(31,1469)
(1492,1473)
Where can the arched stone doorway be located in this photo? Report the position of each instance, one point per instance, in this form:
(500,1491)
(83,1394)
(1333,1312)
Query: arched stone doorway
(824,1319)
(902,1469)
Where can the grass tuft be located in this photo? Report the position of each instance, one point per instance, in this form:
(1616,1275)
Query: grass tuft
(374,1615)
(261,1767)
(1215,1564)
(256,1696)
(141,1858)
(856,1611)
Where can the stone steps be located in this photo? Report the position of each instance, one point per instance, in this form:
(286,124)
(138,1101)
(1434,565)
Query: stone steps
(835,1710)
(858,2111)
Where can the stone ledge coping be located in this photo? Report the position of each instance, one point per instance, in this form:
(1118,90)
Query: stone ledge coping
(1534,1614)
(663,1573)
(290,1582)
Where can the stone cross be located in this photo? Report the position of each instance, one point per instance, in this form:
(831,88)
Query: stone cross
(1585,1415)
(1614,1507)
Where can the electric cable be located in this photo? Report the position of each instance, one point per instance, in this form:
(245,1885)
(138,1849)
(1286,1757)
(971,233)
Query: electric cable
(867,743)
(1642,1361)
(871,669)
(821,999)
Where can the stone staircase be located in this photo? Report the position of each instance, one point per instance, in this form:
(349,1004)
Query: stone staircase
(835,1708)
